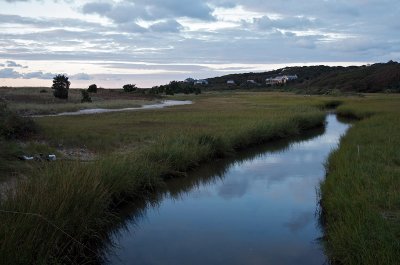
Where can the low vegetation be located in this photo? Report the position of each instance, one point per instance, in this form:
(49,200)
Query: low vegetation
(13,128)
(61,213)
(38,101)
(85,96)
(360,196)
(42,222)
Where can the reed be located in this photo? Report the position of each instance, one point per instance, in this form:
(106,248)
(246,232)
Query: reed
(360,196)
(61,212)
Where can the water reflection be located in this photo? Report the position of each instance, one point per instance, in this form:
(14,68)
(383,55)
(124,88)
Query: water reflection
(255,208)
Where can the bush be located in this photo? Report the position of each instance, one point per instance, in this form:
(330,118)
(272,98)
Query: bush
(13,126)
(43,91)
(61,86)
(175,87)
(92,88)
(129,88)
(85,96)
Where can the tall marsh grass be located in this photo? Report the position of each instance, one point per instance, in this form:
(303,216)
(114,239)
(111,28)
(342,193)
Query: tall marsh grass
(75,203)
(360,196)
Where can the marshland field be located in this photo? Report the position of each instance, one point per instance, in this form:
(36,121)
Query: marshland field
(63,211)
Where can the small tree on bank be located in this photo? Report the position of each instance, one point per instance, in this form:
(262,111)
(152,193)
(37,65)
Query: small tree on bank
(92,88)
(129,88)
(61,86)
(85,96)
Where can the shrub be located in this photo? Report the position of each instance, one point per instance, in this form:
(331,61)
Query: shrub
(92,88)
(85,96)
(13,126)
(129,88)
(61,86)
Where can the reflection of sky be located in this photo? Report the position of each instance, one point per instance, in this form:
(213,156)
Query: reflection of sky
(260,212)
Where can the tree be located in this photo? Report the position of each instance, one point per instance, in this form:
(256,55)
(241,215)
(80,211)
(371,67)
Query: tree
(197,90)
(175,87)
(85,96)
(61,86)
(129,88)
(92,88)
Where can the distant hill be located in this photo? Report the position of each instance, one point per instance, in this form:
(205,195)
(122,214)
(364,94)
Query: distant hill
(321,79)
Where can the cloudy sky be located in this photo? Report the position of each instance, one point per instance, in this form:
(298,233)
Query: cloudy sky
(150,42)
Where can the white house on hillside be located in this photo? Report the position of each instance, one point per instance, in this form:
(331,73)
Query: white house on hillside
(230,82)
(201,82)
(282,79)
(291,77)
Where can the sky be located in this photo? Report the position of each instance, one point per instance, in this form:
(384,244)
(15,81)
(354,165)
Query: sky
(151,42)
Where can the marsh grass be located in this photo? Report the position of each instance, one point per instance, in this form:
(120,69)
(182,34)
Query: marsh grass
(34,101)
(137,151)
(360,196)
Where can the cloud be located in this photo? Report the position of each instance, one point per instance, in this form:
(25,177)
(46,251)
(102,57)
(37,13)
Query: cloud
(197,9)
(47,23)
(9,73)
(284,23)
(166,26)
(129,11)
(132,27)
(99,8)
(299,221)
(13,64)
(170,35)
(81,76)
(39,75)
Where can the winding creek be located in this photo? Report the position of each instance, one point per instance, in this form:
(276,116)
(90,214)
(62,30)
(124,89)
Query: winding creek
(160,105)
(259,207)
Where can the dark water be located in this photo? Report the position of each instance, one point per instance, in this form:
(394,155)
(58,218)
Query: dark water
(258,208)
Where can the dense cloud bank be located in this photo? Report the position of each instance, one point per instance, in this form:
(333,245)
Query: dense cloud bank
(197,32)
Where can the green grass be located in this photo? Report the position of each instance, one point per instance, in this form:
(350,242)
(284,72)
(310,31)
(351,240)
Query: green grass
(53,108)
(360,196)
(136,152)
(32,101)
(218,114)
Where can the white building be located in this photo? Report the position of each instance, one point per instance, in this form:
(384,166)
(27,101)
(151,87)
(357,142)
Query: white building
(282,79)
(291,77)
(230,82)
(201,82)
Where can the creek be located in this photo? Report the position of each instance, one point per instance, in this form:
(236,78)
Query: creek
(162,104)
(259,207)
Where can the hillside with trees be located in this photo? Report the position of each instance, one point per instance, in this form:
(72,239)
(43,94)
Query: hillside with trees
(322,79)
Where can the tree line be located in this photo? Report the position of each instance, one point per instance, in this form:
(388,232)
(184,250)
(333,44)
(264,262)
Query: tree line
(61,85)
(322,79)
